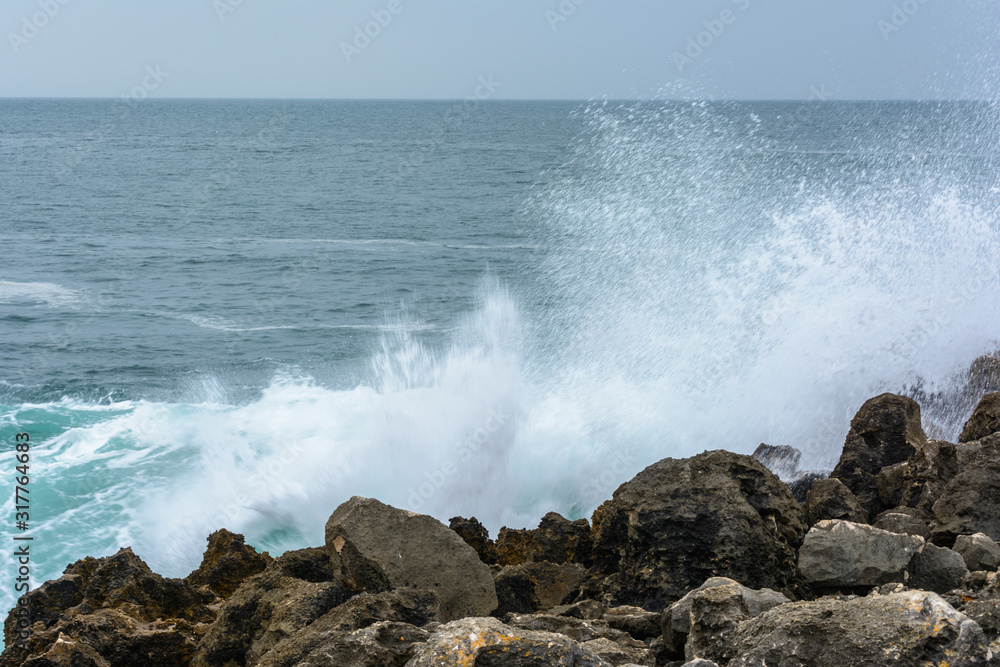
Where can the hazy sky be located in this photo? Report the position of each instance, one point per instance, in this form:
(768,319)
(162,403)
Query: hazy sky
(575,49)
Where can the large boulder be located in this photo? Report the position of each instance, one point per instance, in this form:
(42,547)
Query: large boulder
(970,503)
(978,551)
(715,614)
(476,536)
(909,628)
(936,569)
(885,431)
(550,583)
(903,522)
(378,547)
(486,642)
(680,522)
(985,419)
(841,554)
(831,499)
(384,644)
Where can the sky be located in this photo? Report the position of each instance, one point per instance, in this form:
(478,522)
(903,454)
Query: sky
(501,49)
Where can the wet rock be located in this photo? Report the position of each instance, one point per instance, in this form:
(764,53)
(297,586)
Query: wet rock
(830,499)
(936,569)
(782,460)
(559,540)
(978,551)
(902,523)
(839,554)
(476,536)
(804,481)
(885,431)
(910,628)
(486,642)
(227,562)
(680,522)
(384,644)
(378,547)
(985,419)
(970,503)
(676,621)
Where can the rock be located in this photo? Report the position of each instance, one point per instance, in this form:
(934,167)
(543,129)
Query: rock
(310,564)
(616,654)
(515,592)
(803,482)
(904,524)
(918,482)
(830,499)
(782,460)
(576,629)
(409,607)
(844,554)
(384,644)
(970,503)
(676,620)
(512,546)
(559,540)
(978,551)
(636,621)
(986,614)
(378,547)
(885,431)
(227,563)
(911,628)
(67,653)
(936,569)
(680,522)
(985,419)
(699,662)
(588,610)
(551,584)
(476,536)
(486,642)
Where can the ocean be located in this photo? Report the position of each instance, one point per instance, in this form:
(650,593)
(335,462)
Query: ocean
(239,314)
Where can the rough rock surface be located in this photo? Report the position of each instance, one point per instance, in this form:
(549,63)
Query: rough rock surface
(918,482)
(559,540)
(782,460)
(970,503)
(985,419)
(378,547)
(885,431)
(384,644)
(910,628)
(486,642)
(844,554)
(903,523)
(228,561)
(830,499)
(716,613)
(936,569)
(476,536)
(550,583)
(680,522)
(978,551)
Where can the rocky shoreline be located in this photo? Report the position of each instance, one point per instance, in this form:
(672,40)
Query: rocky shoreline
(892,559)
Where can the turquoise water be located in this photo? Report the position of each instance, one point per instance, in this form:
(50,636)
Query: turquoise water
(240,314)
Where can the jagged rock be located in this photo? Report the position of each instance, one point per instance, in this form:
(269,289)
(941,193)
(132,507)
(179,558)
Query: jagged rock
(559,540)
(512,546)
(515,592)
(803,482)
(268,608)
(576,629)
(616,654)
(476,536)
(676,620)
(67,653)
(227,562)
(902,523)
(911,628)
(918,482)
(985,419)
(311,564)
(550,583)
(885,431)
(782,460)
(970,503)
(486,642)
(986,614)
(830,499)
(410,607)
(680,522)
(978,551)
(588,610)
(384,644)
(699,662)
(380,547)
(844,554)
(636,621)
(936,569)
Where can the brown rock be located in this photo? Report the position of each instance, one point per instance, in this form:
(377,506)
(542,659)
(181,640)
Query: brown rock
(512,546)
(227,563)
(551,583)
(559,540)
(985,420)
(830,499)
(476,536)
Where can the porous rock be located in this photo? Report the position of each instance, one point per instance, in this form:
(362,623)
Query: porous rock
(831,499)
(839,554)
(476,536)
(227,562)
(550,583)
(985,419)
(970,503)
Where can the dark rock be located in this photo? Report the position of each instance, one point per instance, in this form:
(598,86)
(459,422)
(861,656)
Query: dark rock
(311,564)
(978,551)
(384,644)
(227,562)
(970,503)
(841,554)
(986,614)
(919,481)
(636,621)
(680,522)
(985,419)
(616,654)
(902,523)
(476,536)
(885,431)
(613,645)
(378,547)
(936,569)
(486,642)
(67,653)
(559,540)
(803,482)
(512,546)
(551,583)
(782,460)
(910,628)
(830,499)
(588,610)
(515,593)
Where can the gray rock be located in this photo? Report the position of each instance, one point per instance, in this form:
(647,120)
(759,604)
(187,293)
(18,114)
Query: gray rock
(782,460)
(844,554)
(918,482)
(904,524)
(384,644)
(698,662)
(986,614)
(885,431)
(378,547)
(486,642)
(970,503)
(616,654)
(550,583)
(985,419)
(636,621)
(830,499)
(978,551)
(936,569)
(715,614)
(911,628)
